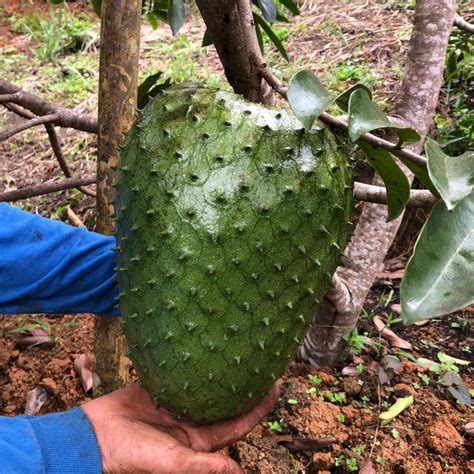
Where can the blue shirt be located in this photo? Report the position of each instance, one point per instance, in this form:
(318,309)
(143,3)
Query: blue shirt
(47,266)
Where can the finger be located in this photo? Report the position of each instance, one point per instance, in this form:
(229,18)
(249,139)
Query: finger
(210,463)
(218,435)
(178,459)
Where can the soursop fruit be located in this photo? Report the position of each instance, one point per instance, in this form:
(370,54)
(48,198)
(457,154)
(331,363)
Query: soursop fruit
(231,220)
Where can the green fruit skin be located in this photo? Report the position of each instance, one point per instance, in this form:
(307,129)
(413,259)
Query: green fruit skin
(231,220)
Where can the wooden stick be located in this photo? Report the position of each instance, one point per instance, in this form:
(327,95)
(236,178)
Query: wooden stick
(47,188)
(378,194)
(65,117)
(26,125)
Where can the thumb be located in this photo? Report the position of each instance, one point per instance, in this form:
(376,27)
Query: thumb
(211,463)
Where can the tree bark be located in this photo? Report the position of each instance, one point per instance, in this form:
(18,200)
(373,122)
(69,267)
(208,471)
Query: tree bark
(118,80)
(231,27)
(372,238)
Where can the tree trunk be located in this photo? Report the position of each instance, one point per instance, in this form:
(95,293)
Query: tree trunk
(118,78)
(231,27)
(373,236)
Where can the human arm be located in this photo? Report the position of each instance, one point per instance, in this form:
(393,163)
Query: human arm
(134,436)
(47,266)
(57,443)
(121,432)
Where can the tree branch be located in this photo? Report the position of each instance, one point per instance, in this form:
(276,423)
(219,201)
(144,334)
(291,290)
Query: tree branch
(372,237)
(378,194)
(65,117)
(54,141)
(462,24)
(375,141)
(340,125)
(47,188)
(231,27)
(58,153)
(28,124)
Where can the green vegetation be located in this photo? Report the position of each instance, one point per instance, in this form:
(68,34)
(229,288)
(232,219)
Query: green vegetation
(60,32)
(455,126)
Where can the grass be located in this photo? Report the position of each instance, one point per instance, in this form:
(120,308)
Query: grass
(58,32)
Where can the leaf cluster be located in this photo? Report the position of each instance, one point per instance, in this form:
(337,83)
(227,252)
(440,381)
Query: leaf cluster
(438,278)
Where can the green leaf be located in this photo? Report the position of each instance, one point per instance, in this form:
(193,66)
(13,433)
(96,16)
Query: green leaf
(96,6)
(307,97)
(150,16)
(26,327)
(282,18)
(175,15)
(438,278)
(269,10)
(365,116)
(452,176)
(396,183)
(148,89)
(342,100)
(291,5)
(447,359)
(421,172)
(273,37)
(206,39)
(261,44)
(400,405)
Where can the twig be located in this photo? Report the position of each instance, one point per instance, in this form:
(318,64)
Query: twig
(47,188)
(28,124)
(378,194)
(65,118)
(464,25)
(7,98)
(56,146)
(334,122)
(53,139)
(74,218)
(272,80)
(375,141)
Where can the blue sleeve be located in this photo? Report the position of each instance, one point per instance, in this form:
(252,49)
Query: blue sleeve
(59,443)
(47,266)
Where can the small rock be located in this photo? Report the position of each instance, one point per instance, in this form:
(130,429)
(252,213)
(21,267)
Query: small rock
(403,390)
(50,384)
(322,461)
(9,409)
(351,387)
(442,437)
(326,378)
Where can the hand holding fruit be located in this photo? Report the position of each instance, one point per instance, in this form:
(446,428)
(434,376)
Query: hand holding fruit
(134,436)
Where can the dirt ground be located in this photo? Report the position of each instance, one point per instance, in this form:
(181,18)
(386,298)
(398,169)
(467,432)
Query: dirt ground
(326,420)
(312,435)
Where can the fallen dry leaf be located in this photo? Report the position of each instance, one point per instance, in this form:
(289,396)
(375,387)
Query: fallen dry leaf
(391,337)
(366,467)
(35,399)
(304,444)
(423,322)
(396,275)
(350,370)
(469,428)
(357,359)
(396,308)
(36,337)
(83,368)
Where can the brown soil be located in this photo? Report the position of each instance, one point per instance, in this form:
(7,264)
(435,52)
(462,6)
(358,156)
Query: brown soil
(425,438)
